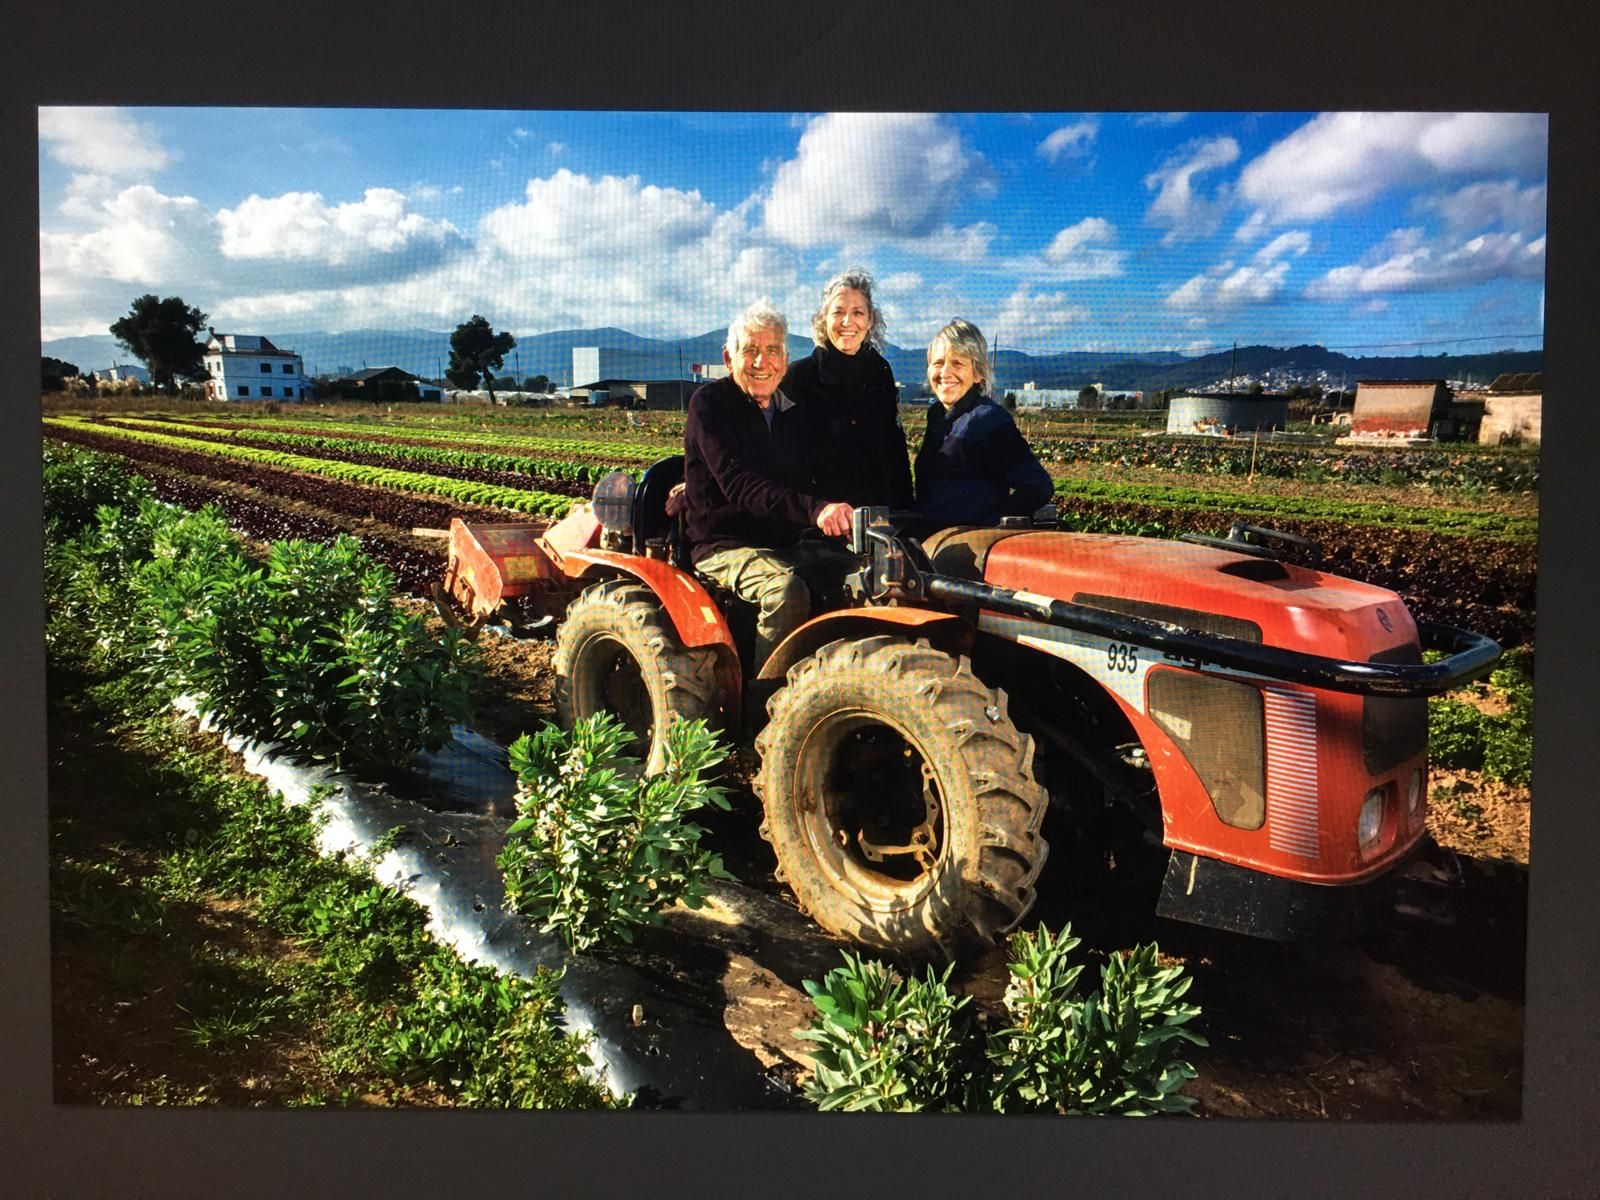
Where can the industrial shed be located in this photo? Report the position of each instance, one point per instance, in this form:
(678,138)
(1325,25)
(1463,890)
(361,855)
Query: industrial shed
(635,393)
(1221,413)
(1512,409)
(384,383)
(1398,408)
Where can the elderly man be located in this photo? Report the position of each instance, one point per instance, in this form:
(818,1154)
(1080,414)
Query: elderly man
(752,520)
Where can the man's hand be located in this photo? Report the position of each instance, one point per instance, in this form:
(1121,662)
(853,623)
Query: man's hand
(835,519)
(676,500)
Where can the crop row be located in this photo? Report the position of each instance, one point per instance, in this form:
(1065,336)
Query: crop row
(519,500)
(294,489)
(1456,467)
(640,451)
(564,469)
(1499,526)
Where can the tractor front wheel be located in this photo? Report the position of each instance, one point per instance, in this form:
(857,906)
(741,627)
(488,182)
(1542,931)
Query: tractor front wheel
(616,651)
(899,798)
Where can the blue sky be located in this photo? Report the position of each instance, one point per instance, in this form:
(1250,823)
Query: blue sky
(1374,233)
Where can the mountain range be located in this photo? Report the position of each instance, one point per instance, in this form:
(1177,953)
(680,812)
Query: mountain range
(426,353)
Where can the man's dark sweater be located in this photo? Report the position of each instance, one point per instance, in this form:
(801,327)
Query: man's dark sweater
(975,467)
(745,484)
(859,450)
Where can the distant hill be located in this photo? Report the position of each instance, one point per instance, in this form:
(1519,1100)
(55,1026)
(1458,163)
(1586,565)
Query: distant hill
(426,353)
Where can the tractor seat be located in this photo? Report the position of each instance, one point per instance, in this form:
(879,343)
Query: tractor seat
(651,524)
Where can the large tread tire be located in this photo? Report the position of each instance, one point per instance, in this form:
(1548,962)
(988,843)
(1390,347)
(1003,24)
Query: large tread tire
(617,650)
(989,851)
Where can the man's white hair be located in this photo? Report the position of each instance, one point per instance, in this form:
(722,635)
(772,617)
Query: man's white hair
(763,314)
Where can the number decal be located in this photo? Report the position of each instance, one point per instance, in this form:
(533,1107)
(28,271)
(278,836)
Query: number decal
(1122,657)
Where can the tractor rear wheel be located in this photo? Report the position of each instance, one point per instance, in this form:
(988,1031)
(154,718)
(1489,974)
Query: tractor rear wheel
(899,798)
(616,651)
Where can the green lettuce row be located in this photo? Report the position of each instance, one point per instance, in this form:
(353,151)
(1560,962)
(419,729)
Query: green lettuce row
(517,499)
(549,468)
(1499,526)
(644,451)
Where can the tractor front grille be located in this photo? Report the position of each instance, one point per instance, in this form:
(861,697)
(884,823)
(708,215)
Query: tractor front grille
(1218,725)
(1393,729)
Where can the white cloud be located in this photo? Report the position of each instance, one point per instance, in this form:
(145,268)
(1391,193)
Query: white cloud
(1070,141)
(87,196)
(901,283)
(571,216)
(302,227)
(1162,119)
(554,149)
(1178,207)
(618,251)
(144,237)
(1227,287)
(520,133)
(1079,251)
(1035,321)
(868,177)
(1404,262)
(1483,205)
(105,141)
(1296,241)
(1342,160)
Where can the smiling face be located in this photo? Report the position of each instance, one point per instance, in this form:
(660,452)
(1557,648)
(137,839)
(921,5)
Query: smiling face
(847,320)
(759,363)
(950,373)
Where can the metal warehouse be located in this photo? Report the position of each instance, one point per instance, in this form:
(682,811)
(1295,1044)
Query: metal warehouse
(1221,413)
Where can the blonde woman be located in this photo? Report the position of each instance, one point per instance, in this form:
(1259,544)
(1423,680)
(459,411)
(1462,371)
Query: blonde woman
(974,466)
(846,387)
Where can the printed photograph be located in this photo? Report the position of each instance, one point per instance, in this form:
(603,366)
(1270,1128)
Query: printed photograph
(1007,612)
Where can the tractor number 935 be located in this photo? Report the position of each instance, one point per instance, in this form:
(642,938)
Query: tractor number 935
(1122,657)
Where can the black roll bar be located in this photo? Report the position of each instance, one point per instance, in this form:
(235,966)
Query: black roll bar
(1471,654)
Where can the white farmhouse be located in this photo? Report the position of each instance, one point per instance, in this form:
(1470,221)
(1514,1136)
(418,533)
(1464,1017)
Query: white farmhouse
(243,366)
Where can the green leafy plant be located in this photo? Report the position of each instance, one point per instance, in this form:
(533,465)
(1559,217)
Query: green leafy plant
(311,651)
(1462,736)
(78,481)
(1114,1051)
(888,1045)
(598,848)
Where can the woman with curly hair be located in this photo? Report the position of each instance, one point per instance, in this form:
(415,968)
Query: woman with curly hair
(847,390)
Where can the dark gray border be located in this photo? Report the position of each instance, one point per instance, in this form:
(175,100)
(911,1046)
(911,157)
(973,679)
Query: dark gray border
(1135,54)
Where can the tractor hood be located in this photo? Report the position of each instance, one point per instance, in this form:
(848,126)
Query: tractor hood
(1216,591)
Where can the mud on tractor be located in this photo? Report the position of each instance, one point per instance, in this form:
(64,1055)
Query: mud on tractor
(1262,722)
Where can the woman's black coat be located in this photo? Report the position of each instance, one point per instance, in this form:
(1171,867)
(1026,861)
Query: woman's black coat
(858,450)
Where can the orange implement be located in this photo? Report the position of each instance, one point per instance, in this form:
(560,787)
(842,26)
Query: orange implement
(492,563)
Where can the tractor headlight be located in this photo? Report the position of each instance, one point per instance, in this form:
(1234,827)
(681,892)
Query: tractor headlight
(1414,792)
(1370,823)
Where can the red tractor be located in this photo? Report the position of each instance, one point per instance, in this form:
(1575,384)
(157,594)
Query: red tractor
(1264,722)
